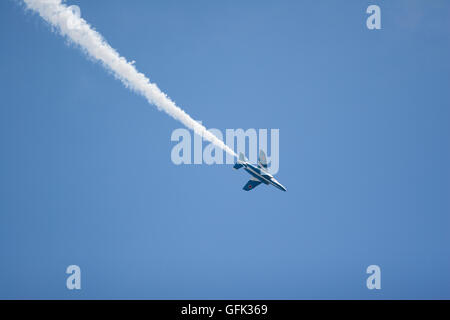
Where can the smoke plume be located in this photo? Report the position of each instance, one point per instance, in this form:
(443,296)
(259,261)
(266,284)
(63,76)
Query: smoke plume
(69,24)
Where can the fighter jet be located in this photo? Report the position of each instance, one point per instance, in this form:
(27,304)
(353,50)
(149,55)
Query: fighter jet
(259,173)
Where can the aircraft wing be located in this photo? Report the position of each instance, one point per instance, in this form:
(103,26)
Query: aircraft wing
(262,161)
(251,184)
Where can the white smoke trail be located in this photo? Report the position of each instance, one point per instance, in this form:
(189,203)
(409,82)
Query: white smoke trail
(76,29)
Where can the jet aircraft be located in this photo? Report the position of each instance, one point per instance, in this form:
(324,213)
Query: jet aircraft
(259,173)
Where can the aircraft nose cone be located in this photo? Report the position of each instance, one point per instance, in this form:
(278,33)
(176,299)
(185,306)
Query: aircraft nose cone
(281,187)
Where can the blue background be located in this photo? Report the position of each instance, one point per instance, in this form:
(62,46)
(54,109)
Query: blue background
(86,176)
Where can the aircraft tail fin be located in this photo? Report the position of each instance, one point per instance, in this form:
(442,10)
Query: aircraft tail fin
(238,164)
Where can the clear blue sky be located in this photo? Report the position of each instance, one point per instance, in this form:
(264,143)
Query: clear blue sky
(86,176)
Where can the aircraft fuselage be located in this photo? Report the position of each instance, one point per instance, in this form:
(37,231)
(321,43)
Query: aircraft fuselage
(262,175)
